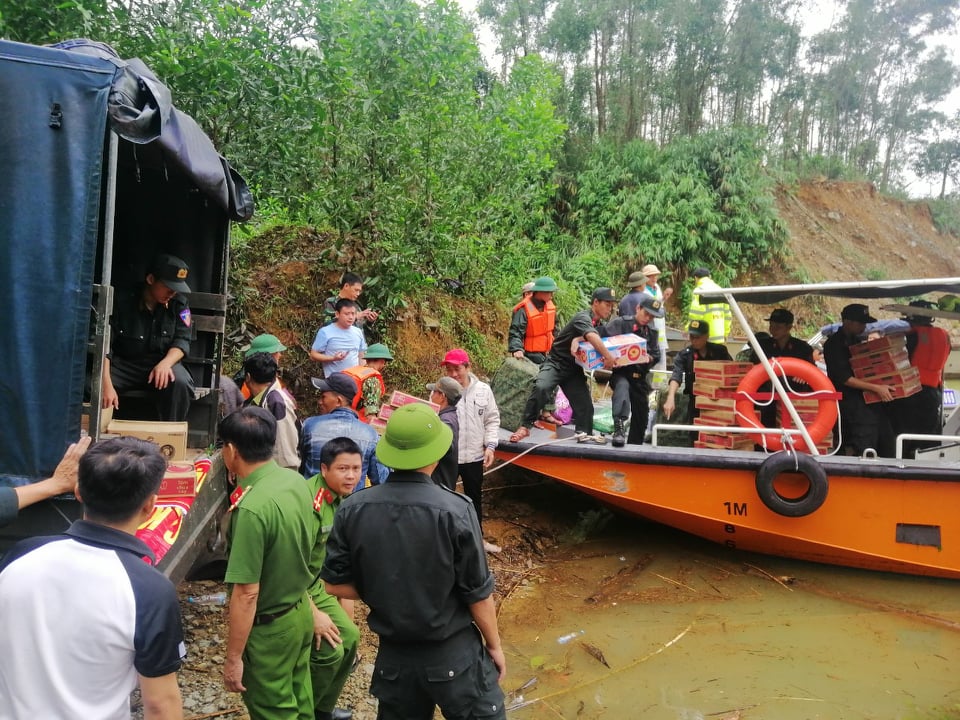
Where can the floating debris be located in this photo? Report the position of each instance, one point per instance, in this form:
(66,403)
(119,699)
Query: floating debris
(595,652)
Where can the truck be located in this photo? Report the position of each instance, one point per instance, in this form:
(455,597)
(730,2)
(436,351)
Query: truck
(100,172)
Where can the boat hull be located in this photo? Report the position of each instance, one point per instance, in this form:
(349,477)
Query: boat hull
(877,515)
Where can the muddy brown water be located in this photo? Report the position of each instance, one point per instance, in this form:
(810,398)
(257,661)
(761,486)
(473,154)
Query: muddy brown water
(669,627)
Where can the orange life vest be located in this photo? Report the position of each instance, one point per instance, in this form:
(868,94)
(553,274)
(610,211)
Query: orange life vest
(358,374)
(930,355)
(540,324)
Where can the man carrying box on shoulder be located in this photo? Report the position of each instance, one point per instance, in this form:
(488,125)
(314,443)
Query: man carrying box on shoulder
(561,369)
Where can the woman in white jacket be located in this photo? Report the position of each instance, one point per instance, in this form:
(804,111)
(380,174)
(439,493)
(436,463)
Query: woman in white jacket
(479,421)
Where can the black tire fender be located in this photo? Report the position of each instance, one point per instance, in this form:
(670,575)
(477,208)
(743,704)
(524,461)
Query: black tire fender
(792,462)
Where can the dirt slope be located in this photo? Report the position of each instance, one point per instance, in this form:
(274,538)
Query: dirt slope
(849,231)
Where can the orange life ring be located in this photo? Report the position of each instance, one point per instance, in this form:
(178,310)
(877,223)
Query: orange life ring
(786,367)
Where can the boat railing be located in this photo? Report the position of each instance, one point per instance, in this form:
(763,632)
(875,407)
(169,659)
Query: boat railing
(720,429)
(944,442)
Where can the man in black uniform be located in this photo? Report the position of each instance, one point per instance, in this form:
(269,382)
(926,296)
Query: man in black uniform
(781,343)
(862,426)
(561,369)
(631,386)
(683,370)
(413,552)
(150,335)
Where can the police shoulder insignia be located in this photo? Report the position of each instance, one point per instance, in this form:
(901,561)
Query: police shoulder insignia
(236,496)
(323,496)
(185,316)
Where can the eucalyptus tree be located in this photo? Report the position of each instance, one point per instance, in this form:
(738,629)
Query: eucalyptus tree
(878,80)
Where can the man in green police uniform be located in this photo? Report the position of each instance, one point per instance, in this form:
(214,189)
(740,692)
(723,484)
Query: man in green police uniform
(335,637)
(150,335)
(272,535)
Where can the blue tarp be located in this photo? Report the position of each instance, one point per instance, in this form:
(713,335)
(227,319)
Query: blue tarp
(56,104)
(51,161)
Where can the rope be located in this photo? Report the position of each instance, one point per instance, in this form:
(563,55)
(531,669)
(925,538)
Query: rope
(530,450)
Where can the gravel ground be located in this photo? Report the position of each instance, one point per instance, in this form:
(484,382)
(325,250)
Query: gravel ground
(201,677)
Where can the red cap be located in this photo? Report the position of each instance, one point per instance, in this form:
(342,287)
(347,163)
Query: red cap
(457,356)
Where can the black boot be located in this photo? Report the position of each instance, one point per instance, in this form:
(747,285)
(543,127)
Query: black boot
(619,434)
(335,714)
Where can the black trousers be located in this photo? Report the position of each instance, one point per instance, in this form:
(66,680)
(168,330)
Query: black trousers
(173,402)
(457,675)
(472,476)
(574,384)
(631,399)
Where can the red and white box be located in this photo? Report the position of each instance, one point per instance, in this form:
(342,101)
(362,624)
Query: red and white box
(180,480)
(887,343)
(628,349)
(880,362)
(399,399)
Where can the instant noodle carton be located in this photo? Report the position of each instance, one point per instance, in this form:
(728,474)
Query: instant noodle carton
(629,349)
(180,480)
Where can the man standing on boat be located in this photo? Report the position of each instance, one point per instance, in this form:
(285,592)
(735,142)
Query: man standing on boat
(862,426)
(929,349)
(683,368)
(630,383)
(716,315)
(561,369)
(781,343)
(646,282)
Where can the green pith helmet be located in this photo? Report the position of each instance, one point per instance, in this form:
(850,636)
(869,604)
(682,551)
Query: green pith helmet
(378,351)
(544,284)
(265,343)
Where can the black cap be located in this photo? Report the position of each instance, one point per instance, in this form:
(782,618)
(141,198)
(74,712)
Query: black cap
(604,294)
(781,315)
(337,382)
(701,272)
(857,313)
(171,271)
(698,327)
(652,305)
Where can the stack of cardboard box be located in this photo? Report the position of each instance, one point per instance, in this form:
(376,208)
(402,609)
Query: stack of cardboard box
(807,409)
(715,384)
(397,399)
(885,361)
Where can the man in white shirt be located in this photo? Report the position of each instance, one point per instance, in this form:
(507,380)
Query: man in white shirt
(84,616)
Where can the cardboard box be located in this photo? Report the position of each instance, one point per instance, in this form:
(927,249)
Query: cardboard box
(399,399)
(628,349)
(731,373)
(180,480)
(170,436)
(717,441)
(888,343)
(899,391)
(897,360)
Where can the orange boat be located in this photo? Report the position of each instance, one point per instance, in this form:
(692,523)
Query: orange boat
(891,514)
